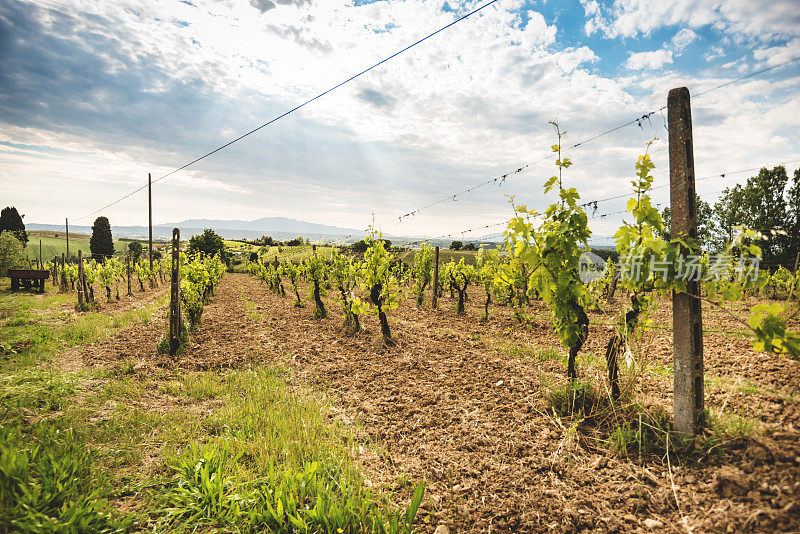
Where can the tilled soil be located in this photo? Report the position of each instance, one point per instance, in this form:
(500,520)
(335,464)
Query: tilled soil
(463,405)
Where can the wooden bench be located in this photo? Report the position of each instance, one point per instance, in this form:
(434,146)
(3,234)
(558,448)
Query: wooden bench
(28,278)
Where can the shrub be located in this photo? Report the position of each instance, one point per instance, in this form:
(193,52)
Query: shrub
(135,250)
(210,244)
(12,254)
(11,220)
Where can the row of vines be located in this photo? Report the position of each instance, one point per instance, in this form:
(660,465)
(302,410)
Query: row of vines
(540,259)
(111,275)
(199,277)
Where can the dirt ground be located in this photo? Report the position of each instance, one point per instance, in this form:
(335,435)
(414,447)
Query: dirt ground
(463,405)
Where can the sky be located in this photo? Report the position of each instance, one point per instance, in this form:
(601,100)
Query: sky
(96,95)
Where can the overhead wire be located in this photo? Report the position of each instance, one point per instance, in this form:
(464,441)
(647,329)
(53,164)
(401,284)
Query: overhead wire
(707,177)
(590,203)
(320,95)
(502,178)
(638,121)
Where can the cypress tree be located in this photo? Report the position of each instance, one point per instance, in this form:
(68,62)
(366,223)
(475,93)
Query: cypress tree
(11,220)
(101,244)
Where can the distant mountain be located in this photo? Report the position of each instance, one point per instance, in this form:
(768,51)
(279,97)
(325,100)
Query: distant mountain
(266,225)
(163,232)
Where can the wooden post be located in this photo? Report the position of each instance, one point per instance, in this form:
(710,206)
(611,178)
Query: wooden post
(64,283)
(796,261)
(80,279)
(128,270)
(612,288)
(435,278)
(41,260)
(83,278)
(66,233)
(687,322)
(175,296)
(150,224)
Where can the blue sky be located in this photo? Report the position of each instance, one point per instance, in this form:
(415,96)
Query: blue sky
(95,96)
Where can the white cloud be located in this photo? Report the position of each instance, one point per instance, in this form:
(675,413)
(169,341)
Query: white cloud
(683,38)
(775,55)
(467,105)
(629,18)
(649,60)
(713,53)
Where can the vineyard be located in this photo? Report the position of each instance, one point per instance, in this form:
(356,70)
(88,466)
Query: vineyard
(318,388)
(606,345)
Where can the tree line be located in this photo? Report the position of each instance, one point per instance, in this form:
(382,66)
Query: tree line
(769,203)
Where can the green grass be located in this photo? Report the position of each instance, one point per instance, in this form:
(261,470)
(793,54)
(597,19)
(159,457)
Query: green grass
(55,246)
(276,458)
(47,323)
(198,451)
(261,458)
(635,430)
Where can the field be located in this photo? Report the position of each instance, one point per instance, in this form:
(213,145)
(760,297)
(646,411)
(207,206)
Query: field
(55,244)
(444,256)
(283,253)
(265,391)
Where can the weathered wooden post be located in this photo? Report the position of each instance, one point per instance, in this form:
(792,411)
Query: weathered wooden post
(64,287)
(175,295)
(150,223)
(612,288)
(796,261)
(66,233)
(687,322)
(128,270)
(83,278)
(435,302)
(80,279)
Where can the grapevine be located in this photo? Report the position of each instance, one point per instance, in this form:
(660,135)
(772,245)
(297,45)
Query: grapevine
(378,281)
(421,271)
(551,255)
(344,275)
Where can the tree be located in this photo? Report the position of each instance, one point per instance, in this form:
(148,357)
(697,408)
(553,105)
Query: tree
(209,243)
(360,247)
(12,254)
(11,220)
(461,275)
(101,244)
(705,224)
(760,205)
(456,245)
(793,215)
(470,246)
(135,250)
